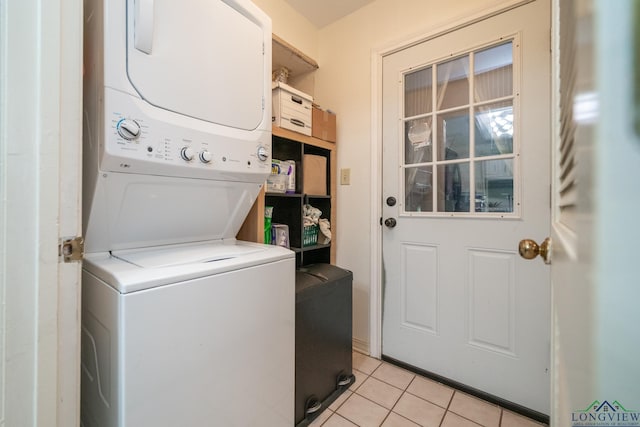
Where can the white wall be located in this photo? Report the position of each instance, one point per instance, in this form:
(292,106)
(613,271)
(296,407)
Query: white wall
(343,84)
(296,30)
(290,26)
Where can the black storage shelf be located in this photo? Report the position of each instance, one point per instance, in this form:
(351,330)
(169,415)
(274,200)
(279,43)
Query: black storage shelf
(308,196)
(283,195)
(314,247)
(288,207)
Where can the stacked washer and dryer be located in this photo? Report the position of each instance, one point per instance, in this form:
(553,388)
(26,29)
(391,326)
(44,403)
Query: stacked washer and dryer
(182,325)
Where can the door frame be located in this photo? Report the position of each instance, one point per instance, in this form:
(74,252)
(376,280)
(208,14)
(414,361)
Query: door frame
(377,57)
(40,172)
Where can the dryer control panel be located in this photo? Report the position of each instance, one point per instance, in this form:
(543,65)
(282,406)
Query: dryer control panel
(144,140)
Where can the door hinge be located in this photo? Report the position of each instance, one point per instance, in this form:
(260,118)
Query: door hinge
(71,249)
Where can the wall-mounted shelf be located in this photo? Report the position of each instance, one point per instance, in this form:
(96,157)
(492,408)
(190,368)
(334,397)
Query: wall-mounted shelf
(286,55)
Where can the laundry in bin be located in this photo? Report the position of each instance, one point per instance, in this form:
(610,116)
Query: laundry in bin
(316,230)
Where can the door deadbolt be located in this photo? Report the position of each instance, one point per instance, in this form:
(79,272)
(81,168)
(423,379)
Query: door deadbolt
(391,201)
(390,222)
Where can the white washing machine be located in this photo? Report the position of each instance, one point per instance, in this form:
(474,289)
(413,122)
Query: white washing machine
(168,341)
(182,325)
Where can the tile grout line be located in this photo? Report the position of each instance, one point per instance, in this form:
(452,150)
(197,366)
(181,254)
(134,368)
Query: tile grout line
(392,385)
(385,417)
(405,391)
(374,402)
(325,421)
(447,408)
(469,419)
(347,398)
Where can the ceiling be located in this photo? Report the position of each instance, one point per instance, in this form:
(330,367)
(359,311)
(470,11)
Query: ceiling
(323,12)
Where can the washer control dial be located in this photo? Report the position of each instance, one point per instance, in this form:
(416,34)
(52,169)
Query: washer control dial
(263,155)
(205,156)
(129,129)
(187,154)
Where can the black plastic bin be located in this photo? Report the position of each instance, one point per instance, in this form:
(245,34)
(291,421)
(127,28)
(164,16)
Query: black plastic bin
(323,338)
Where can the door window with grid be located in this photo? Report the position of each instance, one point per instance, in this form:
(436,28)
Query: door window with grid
(459,130)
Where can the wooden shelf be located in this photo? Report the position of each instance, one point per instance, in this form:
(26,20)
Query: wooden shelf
(253,227)
(294,195)
(298,195)
(295,136)
(313,247)
(285,55)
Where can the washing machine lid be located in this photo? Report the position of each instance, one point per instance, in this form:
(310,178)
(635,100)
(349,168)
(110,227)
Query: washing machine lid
(200,58)
(134,270)
(183,255)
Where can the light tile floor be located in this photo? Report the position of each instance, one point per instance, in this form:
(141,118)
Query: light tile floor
(388,396)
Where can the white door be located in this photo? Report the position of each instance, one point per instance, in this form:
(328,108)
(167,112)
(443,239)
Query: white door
(466,158)
(594,230)
(40,172)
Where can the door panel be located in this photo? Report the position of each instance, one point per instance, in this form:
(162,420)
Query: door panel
(469,164)
(491,301)
(419,286)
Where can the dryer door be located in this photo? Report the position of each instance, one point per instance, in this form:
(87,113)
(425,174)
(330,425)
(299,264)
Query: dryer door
(200,58)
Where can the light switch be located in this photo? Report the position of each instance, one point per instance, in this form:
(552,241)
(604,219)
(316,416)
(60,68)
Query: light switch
(345,176)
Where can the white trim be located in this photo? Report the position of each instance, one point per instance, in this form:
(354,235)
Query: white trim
(4,63)
(40,94)
(554,383)
(377,56)
(70,221)
(28,228)
(375,292)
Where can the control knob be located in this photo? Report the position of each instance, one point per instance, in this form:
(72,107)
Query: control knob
(129,129)
(187,154)
(205,156)
(263,155)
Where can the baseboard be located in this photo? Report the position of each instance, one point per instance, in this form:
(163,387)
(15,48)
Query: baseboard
(360,346)
(513,407)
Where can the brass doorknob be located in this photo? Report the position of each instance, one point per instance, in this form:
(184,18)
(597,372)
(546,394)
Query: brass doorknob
(529,249)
